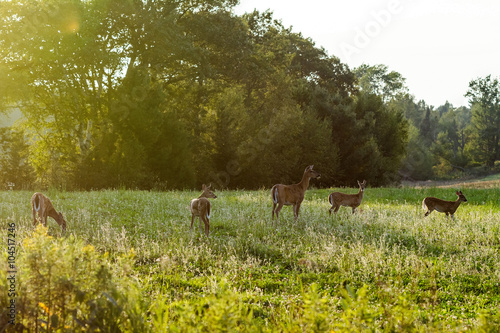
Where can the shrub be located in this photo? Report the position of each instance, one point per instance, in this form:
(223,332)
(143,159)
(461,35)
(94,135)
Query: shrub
(64,284)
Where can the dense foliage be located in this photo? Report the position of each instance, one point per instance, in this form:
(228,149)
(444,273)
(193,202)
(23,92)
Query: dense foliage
(171,94)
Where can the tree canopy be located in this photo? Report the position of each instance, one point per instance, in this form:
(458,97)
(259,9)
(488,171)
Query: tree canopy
(172,94)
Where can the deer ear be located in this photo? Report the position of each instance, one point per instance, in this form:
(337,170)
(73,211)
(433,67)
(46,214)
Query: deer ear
(203,187)
(458,193)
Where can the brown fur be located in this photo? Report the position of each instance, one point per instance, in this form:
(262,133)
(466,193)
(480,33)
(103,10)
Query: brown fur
(201,207)
(292,194)
(42,206)
(443,206)
(338,199)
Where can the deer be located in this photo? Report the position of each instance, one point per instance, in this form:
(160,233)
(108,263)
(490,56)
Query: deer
(443,206)
(292,194)
(200,208)
(338,199)
(42,206)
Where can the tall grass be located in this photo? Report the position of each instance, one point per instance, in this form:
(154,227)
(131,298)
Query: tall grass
(384,269)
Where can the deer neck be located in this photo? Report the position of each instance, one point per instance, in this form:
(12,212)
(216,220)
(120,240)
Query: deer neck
(52,213)
(360,193)
(304,183)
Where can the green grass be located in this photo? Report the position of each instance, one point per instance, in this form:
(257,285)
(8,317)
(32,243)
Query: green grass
(492,177)
(384,269)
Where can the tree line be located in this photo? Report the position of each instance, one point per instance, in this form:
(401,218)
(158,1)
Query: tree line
(172,94)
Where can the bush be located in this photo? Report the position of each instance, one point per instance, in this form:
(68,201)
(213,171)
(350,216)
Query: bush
(64,284)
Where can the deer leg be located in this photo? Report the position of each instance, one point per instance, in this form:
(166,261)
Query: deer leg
(296,209)
(34,218)
(205,222)
(207,226)
(202,221)
(192,221)
(336,209)
(280,205)
(44,220)
(274,208)
(427,213)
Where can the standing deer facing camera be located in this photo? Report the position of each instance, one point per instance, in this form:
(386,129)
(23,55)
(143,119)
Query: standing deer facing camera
(201,207)
(443,206)
(338,199)
(42,206)
(292,194)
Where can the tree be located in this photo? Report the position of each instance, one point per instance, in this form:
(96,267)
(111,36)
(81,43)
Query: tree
(484,98)
(419,160)
(379,143)
(170,94)
(426,127)
(88,93)
(69,58)
(280,124)
(14,167)
(379,81)
(452,137)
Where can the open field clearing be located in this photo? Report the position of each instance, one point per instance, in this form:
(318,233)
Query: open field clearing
(492,181)
(129,262)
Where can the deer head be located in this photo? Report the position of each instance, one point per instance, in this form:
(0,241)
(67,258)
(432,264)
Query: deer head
(310,173)
(61,221)
(362,185)
(461,197)
(207,193)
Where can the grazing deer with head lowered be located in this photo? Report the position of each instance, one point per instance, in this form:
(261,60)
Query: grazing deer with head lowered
(42,206)
(338,199)
(201,207)
(443,206)
(292,194)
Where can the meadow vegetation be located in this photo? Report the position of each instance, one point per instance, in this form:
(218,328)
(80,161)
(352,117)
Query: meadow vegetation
(129,262)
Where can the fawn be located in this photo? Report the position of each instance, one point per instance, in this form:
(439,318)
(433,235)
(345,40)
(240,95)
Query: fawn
(443,206)
(201,207)
(338,199)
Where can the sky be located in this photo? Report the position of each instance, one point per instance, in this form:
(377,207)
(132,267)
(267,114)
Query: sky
(438,46)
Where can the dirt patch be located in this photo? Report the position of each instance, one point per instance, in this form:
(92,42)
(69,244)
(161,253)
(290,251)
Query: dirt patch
(455,184)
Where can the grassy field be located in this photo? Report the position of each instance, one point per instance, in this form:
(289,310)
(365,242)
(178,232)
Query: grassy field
(129,262)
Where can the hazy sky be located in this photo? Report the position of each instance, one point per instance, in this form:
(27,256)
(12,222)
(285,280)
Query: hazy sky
(438,46)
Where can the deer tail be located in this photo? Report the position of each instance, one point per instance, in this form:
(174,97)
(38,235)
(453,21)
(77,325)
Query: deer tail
(208,211)
(424,207)
(274,193)
(38,203)
(330,199)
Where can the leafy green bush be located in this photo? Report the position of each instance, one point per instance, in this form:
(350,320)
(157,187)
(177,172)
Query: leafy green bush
(64,284)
